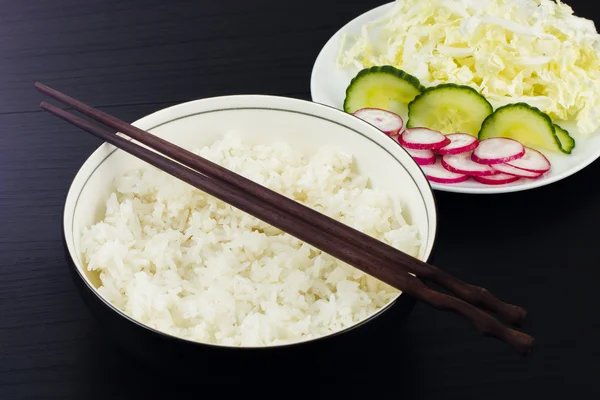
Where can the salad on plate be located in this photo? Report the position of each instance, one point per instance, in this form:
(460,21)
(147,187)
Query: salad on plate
(482,90)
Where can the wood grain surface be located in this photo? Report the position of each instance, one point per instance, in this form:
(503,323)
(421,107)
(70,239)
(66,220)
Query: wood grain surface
(537,249)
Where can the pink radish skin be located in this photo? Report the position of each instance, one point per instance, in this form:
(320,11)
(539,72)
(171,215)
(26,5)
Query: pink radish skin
(422,157)
(422,139)
(498,151)
(397,139)
(462,164)
(514,171)
(386,121)
(532,161)
(459,143)
(438,174)
(498,179)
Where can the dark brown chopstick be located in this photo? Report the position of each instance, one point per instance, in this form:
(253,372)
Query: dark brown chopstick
(472,294)
(308,233)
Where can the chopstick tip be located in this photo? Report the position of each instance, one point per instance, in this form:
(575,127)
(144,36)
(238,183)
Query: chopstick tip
(44,105)
(41,87)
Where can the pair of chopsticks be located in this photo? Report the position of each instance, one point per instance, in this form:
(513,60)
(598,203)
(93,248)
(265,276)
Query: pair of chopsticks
(339,240)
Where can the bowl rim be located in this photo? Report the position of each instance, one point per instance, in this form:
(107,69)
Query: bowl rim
(286,104)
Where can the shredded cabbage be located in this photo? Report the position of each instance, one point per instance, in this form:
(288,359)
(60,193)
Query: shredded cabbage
(533,51)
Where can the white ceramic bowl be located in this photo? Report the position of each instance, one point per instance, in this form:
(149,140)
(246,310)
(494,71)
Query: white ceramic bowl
(260,119)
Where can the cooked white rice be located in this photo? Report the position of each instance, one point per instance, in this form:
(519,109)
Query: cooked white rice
(187,264)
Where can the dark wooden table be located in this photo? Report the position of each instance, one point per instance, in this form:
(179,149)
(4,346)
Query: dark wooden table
(538,249)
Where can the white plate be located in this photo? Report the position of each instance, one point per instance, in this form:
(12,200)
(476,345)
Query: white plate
(328,86)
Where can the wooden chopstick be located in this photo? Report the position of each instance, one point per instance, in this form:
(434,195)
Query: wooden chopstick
(472,294)
(308,233)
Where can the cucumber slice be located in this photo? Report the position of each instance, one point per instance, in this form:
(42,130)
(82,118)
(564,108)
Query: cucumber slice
(382,87)
(524,123)
(567,143)
(449,108)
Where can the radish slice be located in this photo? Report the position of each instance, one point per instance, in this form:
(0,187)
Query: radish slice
(514,171)
(386,121)
(532,161)
(437,173)
(462,164)
(422,157)
(497,151)
(423,139)
(498,179)
(459,143)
